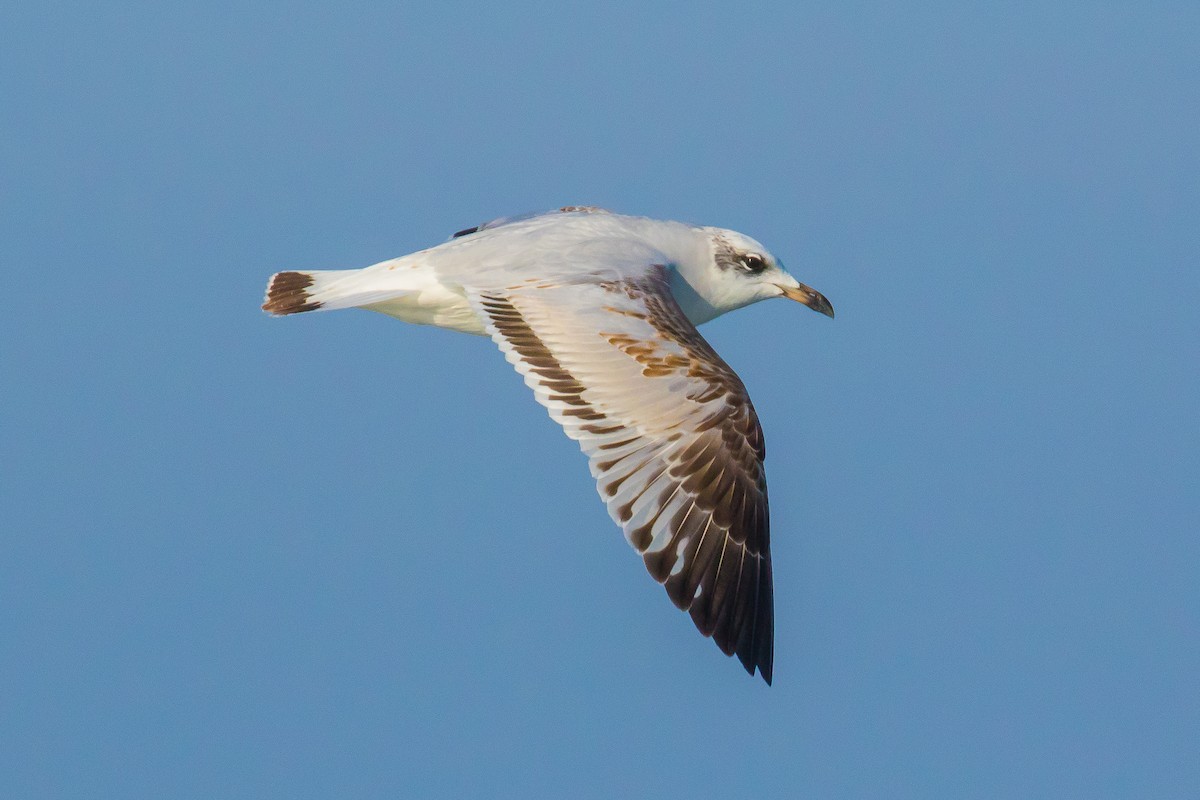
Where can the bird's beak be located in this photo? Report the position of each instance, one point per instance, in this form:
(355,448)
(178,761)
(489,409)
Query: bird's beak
(809,297)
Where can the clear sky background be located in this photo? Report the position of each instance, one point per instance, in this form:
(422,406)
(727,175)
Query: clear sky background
(338,556)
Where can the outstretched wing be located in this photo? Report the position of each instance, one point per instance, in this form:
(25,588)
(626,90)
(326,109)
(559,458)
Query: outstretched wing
(501,221)
(671,436)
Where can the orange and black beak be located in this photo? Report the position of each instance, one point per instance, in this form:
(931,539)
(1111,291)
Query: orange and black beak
(809,297)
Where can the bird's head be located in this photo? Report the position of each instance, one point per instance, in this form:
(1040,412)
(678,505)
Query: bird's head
(741,271)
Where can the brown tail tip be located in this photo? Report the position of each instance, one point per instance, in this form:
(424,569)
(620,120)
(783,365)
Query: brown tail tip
(287,293)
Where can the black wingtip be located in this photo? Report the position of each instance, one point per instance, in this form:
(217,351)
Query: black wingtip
(756,645)
(752,662)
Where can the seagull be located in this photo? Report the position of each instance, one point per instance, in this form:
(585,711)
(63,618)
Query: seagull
(598,312)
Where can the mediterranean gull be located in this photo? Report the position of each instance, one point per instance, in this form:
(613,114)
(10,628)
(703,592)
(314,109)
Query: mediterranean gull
(598,311)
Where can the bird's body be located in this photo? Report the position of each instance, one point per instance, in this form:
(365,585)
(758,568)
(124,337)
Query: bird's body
(598,312)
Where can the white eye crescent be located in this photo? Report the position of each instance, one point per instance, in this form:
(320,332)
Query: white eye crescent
(753,263)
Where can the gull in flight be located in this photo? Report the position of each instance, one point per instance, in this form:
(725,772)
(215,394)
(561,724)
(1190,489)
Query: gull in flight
(598,311)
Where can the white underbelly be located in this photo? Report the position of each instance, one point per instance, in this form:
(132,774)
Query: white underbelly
(432,308)
(424,300)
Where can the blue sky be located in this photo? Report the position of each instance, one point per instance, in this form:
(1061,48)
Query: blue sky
(339,556)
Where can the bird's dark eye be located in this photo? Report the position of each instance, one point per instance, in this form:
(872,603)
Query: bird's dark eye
(753,263)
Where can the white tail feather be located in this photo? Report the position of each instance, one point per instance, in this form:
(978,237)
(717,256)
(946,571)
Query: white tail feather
(296,291)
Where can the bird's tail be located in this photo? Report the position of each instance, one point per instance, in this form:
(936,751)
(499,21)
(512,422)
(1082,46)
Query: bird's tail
(295,292)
